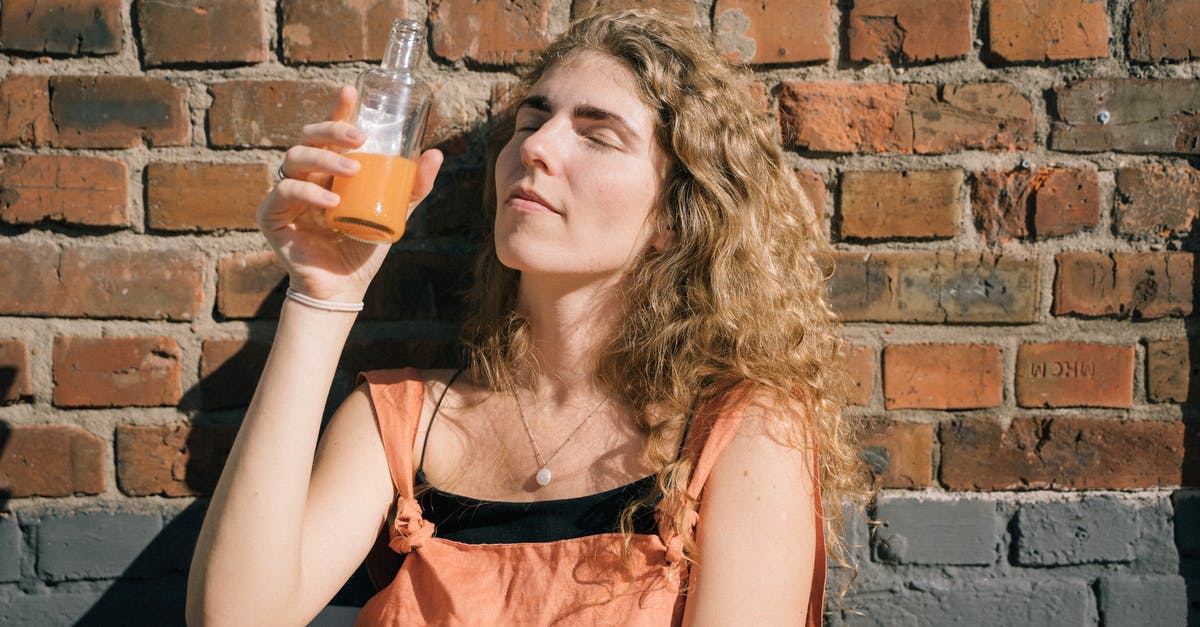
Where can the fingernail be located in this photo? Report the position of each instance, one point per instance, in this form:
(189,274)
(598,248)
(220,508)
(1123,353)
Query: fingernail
(349,165)
(356,135)
(331,198)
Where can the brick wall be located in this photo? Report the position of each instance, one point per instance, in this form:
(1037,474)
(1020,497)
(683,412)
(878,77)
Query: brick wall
(1010,186)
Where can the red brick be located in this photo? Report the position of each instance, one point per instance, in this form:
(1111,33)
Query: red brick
(25,111)
(194,196)
(900,204)
(915,118)
(1164,30)
(491,33)
(456,112)
(229,371)
(100,282)
(1037,30)
(900,454)
(905,31)
(1074,374)
(1137,285)
(749,31)
(683,10)
(860,363)
(1173,370)
(79,190)
(14,371)
(172,460)
(1157,201)
(1061,453)
(321,31)
(937,287)
(50,460)
(1144,116)
(229,31)
(942,376)
(119,112)
(68,27)
(116,372)
(265,113)
(1035,203)
(452,208)
(813,187)
(250,285)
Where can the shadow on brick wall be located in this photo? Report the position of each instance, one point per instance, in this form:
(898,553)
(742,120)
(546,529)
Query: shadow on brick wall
(1187,500)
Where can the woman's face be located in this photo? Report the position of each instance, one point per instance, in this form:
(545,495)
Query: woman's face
(576,183)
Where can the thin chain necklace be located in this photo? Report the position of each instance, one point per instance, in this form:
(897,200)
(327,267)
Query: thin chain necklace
(544,475)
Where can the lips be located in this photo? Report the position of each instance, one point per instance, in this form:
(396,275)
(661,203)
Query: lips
(523,198)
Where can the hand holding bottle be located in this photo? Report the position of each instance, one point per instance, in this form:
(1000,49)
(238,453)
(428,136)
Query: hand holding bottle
(323,263)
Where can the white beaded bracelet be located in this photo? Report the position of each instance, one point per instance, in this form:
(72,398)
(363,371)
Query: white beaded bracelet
(325,305)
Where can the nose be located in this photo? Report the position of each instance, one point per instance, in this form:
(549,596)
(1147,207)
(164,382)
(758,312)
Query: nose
(541,148)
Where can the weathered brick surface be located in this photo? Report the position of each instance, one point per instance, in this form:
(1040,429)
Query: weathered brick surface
(765,32)
(25,111)
(112,372)
(1164,30)
(14,371)
(229,371)
(266,114)
(119,112)
(934,287)
(682,9)
(942,376)
(226,32)
(915,118)
(1060,453)
(1186,505)
(491,33)
(10,548)
(100,282)
(905,32)
(1037,30)
(1074,374)
(318,31)
(418,286)
(194,196)
(1035,204)
(1097,529)
(860,363)
(50,460)
(901,204)
(979,603)
(1173,370)
(250,285)
(1144,116)
(915,531)
(455,114)
(900,454)
(1143,600)
(1157,201)
(1138,285)
(67,27)
(171,460)
(94,544)
(813,187)
(89,191)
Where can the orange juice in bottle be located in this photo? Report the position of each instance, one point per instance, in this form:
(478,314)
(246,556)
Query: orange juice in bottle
(392,109)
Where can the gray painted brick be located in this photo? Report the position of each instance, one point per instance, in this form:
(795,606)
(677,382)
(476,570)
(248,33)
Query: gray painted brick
(10,548)
(1132,601)
(1187,523)
(92,545)
(937,532)
(1063,603)
(46,609)
(1097,529)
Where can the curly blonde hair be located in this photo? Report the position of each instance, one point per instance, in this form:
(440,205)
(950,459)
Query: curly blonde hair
(737,301)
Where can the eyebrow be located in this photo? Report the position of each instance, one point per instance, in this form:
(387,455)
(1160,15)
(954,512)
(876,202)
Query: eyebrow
(586,111)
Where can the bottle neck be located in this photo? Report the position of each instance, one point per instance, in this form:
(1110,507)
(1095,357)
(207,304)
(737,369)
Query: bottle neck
(404,48)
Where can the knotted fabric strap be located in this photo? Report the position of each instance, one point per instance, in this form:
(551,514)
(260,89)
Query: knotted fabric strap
(664,513)
(410,530)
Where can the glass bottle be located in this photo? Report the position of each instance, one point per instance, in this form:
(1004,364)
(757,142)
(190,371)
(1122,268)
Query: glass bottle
(392,109)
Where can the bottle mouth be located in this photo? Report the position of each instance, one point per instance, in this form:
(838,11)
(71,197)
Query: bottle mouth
(407,29)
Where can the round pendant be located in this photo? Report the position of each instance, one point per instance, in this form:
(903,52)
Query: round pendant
(543,476)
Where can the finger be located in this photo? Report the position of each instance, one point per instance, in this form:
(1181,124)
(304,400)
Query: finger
(290,200)
(428,165)
(303,162)
(343,106)
(332,134)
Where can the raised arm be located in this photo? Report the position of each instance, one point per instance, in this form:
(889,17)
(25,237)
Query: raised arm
(288,523)
(756,541)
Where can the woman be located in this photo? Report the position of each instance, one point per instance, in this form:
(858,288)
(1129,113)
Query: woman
(653,371)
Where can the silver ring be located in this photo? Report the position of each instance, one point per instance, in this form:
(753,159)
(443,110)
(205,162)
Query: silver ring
(279,175)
